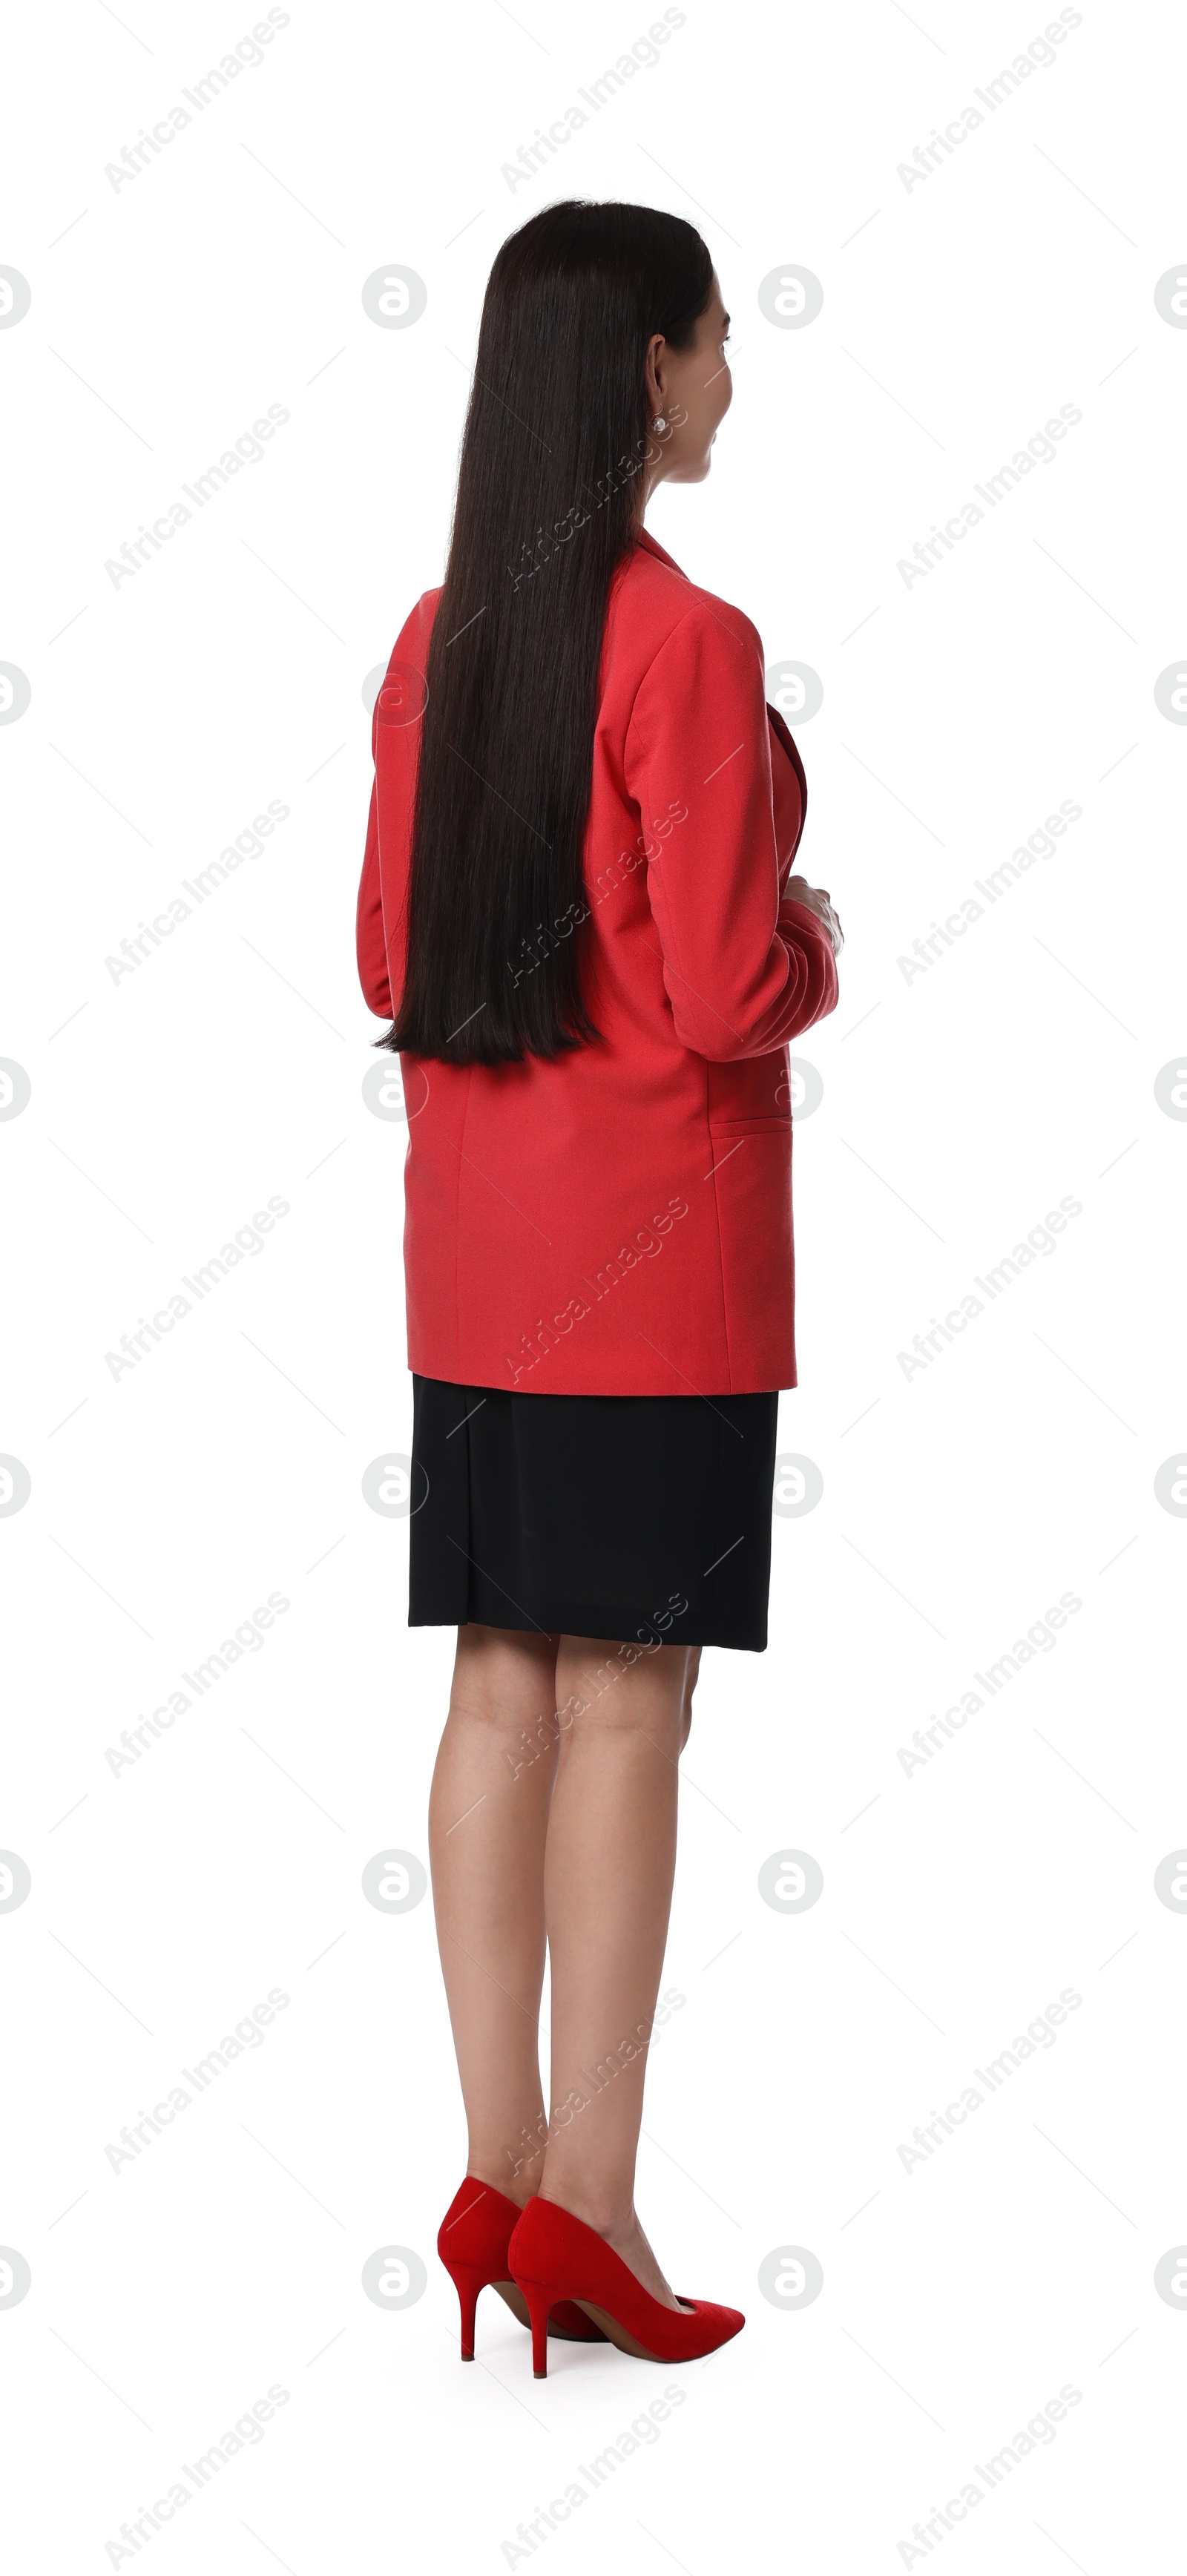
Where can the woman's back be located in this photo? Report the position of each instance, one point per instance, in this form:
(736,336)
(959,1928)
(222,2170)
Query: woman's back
(616,1218)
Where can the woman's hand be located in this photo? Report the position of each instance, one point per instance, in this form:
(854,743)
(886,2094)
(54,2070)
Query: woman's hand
(798,890)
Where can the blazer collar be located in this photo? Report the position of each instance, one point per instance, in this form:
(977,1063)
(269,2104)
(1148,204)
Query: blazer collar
(654,548)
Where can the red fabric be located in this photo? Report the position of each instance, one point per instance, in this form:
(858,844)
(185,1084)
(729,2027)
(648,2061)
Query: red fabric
(617,1220)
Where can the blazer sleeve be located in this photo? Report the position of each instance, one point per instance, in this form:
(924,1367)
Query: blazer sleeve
(744,969)
(381,915)
(369,945)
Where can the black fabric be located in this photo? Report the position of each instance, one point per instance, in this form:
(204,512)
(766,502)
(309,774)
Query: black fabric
(592,1515)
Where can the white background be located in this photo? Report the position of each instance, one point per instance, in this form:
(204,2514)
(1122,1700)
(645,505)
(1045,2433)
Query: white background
(959,1898)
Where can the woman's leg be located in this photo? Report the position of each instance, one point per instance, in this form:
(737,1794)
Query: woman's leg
(488,1815)
(608,1871)
(694,1666)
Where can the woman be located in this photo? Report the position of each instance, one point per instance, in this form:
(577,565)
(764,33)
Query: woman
(577,906)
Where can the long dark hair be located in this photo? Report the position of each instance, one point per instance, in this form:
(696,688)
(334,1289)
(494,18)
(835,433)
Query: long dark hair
(548,489)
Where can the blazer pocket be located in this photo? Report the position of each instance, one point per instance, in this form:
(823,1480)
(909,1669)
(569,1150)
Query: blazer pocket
(773,1122)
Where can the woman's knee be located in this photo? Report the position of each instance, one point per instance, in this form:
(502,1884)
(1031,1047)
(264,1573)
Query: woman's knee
(622,1689)
(504,1677)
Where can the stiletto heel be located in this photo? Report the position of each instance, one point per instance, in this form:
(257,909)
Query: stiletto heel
(556,2256)
(467,2281)
(538,2301)
(472,2242)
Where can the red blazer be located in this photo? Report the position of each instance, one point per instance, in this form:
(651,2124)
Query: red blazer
(617,1220)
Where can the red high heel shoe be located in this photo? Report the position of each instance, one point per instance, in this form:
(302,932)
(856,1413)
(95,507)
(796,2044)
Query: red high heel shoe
(556,2256)
(472,2242)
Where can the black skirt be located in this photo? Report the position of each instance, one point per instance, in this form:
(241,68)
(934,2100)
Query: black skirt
(618,1516)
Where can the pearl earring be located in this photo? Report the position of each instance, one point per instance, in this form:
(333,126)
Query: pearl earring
(659,422)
